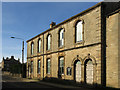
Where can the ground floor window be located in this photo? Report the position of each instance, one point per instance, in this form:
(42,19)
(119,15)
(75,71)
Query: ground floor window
(61,65)
(39,66)
(48,66)
(31,66)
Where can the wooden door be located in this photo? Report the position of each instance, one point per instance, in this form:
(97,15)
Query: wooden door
(78,71)
(89,72)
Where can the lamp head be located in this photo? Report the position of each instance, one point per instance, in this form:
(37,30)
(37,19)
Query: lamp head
(12,37)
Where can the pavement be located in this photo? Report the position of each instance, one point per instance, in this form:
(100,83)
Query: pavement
(47,83)
(9,81)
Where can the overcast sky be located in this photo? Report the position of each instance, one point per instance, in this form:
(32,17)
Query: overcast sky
(28,19)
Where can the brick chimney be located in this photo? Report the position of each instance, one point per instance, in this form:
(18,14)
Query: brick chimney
(52,24)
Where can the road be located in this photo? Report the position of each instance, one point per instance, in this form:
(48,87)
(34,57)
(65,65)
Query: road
(24,83)
(12,82)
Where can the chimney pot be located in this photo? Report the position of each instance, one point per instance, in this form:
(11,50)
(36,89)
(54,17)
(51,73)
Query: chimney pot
(52,24)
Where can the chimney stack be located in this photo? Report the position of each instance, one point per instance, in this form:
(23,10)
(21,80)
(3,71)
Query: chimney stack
(12,57)
(52,24)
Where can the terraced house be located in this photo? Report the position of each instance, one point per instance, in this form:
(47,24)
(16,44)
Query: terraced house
(84,48)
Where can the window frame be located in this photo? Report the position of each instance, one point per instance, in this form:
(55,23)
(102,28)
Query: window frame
(39,45)
(61,37)
(31,69)
(39,68)
(75,26)
(47,44)
(32,48)
(48,67)
(61,69)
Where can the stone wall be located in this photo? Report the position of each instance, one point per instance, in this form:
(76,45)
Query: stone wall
(112,55)
(90,45)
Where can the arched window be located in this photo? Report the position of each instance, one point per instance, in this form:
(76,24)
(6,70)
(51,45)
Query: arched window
(32,47)
(48,42)
(78,29)
(39,45)
(61,37)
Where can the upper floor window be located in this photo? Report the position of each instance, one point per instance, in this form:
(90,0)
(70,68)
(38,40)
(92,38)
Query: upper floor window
(39,66)
(78,29)
(48,42)
(32,47)
(39,45)
(61,37)
(48,66)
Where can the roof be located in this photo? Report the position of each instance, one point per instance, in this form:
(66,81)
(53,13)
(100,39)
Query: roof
(83,12)
(116,11)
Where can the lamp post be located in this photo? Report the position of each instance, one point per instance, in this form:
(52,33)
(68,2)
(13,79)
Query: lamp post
(22,51)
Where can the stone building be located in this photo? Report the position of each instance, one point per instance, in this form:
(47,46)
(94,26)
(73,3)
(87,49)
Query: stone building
(11,65)
(83,48)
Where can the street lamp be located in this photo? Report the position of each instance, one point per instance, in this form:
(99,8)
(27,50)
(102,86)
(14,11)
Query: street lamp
(22,51)
(22,47)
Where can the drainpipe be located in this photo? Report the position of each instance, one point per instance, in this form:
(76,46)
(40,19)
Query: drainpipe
(43,55)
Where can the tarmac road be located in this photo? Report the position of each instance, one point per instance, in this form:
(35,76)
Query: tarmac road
(14,82)
(10,82)
(23,83)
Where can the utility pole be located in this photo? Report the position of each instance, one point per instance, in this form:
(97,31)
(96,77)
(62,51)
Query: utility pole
(22,53)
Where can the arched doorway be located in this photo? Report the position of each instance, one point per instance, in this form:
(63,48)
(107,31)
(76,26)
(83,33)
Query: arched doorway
(77,71)
(89,71)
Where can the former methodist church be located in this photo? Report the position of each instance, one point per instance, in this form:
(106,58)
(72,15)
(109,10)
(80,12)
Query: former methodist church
(84,48)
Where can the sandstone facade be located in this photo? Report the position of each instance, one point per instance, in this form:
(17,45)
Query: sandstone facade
(100,41)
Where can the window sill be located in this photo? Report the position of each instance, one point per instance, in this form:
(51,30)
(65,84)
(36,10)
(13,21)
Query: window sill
(48,50)
(48,75)
(60,47)
(80,42)
(39,52)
